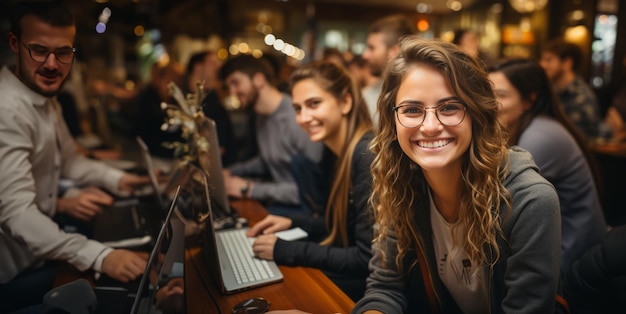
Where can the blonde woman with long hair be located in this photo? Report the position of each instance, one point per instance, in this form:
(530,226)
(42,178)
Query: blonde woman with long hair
(329,107)
(463,223)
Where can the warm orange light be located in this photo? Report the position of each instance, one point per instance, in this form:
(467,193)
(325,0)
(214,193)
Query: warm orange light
(423,25)
(577,34)
(515,35)
(139,30)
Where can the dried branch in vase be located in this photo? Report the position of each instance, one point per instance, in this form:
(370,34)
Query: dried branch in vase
(186,114)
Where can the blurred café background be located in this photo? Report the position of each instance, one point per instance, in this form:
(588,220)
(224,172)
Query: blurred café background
(119,40)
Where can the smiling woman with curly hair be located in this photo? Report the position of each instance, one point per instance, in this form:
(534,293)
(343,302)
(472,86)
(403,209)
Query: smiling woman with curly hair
(464,224)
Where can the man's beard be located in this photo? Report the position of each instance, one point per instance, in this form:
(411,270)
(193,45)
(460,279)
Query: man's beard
(377,73)
(253,98)
(30,81)
(376,70)
(558,75)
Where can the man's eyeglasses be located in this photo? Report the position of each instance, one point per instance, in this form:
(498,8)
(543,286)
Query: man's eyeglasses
(40,53)
(450,113)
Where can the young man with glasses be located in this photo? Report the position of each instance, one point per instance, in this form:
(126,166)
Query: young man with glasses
(36,150)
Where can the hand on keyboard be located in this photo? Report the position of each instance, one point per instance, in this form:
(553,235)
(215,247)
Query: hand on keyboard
(270,224)
(245,266)
(263,246)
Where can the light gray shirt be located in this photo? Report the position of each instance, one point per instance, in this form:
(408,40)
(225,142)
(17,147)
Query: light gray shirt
(36,149)
(371,94)
(279,138)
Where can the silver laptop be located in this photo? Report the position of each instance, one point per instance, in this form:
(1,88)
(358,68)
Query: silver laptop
(151,169)
(232,263)
(211,162)
(213,166)
(227,249)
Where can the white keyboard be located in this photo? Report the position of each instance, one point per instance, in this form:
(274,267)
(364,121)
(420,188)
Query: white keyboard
(246,267)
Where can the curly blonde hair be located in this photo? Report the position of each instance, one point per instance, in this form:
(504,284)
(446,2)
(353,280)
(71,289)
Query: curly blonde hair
(484,167)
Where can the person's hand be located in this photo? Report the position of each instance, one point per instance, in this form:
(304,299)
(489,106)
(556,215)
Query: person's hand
(124,265)
(263,246)
(226,173)
(85,205)
(269,224)
(130,181)
(170,297)
(162,176)
(236,185)
(615,121)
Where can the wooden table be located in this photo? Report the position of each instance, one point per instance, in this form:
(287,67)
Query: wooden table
(302,288)
(610,148)
(611,161)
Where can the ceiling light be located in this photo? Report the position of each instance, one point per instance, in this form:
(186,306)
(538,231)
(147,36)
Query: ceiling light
(528,6)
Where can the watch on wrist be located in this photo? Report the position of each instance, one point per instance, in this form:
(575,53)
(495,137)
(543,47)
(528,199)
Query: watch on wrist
(245,190)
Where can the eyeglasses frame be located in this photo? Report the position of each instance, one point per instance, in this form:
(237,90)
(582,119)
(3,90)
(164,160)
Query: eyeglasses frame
(30,54)
(396,108)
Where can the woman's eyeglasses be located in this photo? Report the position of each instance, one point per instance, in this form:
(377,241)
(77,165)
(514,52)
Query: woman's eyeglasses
(450,113)
(40,53)
(252,306)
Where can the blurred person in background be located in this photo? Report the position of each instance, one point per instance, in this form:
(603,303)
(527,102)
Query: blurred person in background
(147,116)
(203,68)
(383,44)
(469,42)
(561,61)
(536,122)
(335,56)
(359,70)
(615,116)
(266,177)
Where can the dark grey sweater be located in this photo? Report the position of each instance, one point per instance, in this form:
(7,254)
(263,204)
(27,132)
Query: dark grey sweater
(524,279)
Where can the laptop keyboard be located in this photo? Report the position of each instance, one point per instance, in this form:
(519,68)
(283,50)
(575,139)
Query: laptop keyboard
(246,267)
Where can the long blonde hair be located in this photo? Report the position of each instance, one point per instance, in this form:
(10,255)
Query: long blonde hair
(399,188)
(338,82)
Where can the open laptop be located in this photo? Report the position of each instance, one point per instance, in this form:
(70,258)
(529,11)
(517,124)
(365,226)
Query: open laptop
(128,225)
(227,250)
(162,286)
(229,255)
(151,169)
(164,270)
(133,222)
(223,215)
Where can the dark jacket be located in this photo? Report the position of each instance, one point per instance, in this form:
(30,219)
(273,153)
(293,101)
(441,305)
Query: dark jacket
(523,280)
(596,282)
(147,122)
(349,262)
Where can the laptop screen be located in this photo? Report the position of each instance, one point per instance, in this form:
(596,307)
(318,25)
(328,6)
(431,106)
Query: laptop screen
(151,169)
(161,289)
(212,164)
(191,203)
